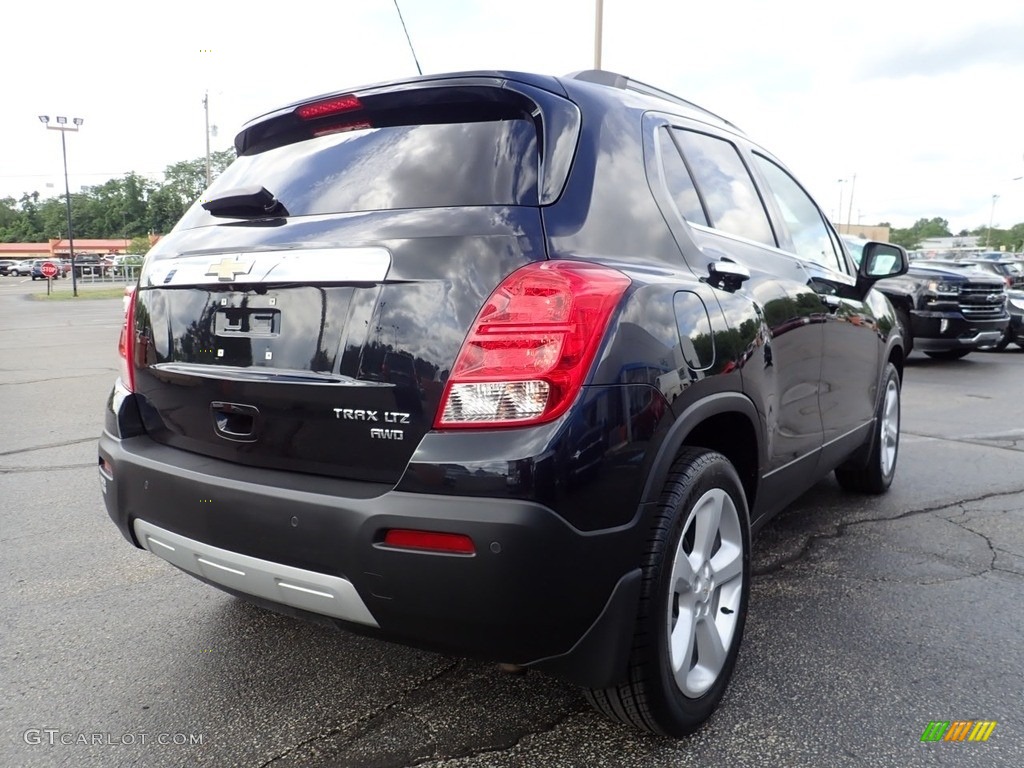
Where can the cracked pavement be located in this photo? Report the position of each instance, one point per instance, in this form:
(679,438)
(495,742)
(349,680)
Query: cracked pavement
(868,618)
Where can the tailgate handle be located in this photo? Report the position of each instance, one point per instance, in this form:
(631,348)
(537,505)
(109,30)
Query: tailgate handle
(234,421)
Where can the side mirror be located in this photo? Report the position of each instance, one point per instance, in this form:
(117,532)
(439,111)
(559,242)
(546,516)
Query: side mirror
(880,260)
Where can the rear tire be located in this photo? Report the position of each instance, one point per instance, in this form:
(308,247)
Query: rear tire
(693,601)
(876,476)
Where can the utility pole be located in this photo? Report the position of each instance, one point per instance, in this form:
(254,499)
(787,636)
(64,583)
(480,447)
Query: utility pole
(206,109)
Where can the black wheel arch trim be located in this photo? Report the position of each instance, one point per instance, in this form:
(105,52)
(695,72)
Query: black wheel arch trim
(712,405)
(895,353)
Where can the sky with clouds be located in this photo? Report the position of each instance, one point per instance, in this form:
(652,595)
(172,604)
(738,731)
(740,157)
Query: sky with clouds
(922,102)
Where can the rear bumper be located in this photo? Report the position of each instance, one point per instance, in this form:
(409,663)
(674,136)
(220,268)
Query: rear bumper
(536,591)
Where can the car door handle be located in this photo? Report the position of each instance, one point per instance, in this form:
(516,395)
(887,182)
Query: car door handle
(727,275)
(832,303)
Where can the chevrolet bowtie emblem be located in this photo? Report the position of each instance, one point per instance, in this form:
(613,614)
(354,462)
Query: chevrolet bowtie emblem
(227,268)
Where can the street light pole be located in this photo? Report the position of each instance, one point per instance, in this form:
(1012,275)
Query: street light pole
(598,30)
(849,208)
(991,217)
(839,210)
(63,127)
(1018,178)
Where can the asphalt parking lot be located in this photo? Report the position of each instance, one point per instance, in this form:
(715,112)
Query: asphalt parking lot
(869,617)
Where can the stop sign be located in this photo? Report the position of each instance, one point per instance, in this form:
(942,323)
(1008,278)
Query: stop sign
(49,269)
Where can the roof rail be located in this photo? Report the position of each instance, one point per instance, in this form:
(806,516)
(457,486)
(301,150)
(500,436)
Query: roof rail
(622,82)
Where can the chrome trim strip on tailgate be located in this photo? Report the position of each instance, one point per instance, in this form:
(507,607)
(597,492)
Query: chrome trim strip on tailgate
(298,588)
(294,265)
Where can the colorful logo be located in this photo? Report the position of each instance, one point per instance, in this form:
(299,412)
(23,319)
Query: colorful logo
(958,730)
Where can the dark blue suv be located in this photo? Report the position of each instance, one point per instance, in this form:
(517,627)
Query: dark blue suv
(503,365)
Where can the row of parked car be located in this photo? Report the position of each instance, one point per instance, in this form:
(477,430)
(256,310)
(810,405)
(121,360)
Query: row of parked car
(86,265)
(33,268)
(949,307)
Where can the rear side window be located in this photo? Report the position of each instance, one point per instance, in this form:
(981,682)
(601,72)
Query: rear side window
(729,195)
(398,166)
(679,182)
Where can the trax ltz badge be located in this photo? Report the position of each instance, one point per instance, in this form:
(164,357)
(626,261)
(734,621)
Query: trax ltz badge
(376,433)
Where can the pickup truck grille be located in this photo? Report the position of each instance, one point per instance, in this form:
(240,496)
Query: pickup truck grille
(982,301)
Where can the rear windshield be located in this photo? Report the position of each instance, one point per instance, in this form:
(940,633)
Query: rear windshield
(403,166)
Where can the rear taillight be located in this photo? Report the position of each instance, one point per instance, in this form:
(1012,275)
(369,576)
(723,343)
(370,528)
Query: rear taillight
(126,344)
(328,107)
(531,346)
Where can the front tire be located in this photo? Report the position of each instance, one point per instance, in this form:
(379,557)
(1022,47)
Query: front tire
(876,476)
(693,601)
(903,320)
(949,354)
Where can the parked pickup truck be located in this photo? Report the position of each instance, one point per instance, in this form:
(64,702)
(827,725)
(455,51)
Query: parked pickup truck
(946,310)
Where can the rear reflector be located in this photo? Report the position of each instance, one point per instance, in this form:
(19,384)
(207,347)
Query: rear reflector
(431,541)
(531,346)
(328,107)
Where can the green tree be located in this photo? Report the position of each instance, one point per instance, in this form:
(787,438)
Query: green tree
(118,206)
(184,182)
(53,217)
(1010,240)
(139,245)
(163,210)
(908,238)
(9,217)
(130,206)
(921,229)
(26,227)
(936,227)
(1015,241)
